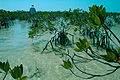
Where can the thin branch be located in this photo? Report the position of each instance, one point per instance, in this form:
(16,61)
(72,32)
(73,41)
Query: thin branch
(81,76)
(112,33)
(110,37)
(92,75)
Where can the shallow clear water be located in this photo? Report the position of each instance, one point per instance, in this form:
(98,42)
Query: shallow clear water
(19,49)
(116,30)
(15,38)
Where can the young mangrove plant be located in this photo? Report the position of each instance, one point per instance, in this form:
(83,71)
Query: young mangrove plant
(91,24)
(16,72)
(67,64)
(111,59)
(113,55)
(83,46)
(58,28)
(97,16)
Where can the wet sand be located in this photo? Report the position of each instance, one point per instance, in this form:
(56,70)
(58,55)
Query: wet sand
(46,66)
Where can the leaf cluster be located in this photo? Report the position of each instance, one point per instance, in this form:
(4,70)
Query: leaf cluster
(16,72)
(67,64)
(112,55)
(82,45)
(33,32)
(97,15)
(5,66)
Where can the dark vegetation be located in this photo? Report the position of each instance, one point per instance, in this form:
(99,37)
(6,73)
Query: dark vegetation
(16,72)
(7,17)
(89,25)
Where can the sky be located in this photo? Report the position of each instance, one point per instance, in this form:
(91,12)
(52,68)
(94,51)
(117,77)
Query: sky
(58,5)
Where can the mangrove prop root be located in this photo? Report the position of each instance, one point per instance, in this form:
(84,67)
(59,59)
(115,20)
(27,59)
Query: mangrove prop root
(93,56)
(58,38)
(112,33)
(90,75)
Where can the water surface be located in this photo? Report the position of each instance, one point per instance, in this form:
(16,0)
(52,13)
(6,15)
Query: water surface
(19,49)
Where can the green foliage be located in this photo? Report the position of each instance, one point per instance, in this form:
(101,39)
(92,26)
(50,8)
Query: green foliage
(33,32)
(39,24)
(7,17)
(119,51)
(97,15)
(95,21)
(67,64)
(75,29)
(112,55)
(50,27)
(5,66)
(16,72)
(82,45)
(23,78)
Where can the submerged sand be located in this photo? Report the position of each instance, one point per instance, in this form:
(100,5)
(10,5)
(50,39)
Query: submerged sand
(46,66)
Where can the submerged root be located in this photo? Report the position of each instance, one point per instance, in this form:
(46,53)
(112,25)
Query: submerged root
(59,39)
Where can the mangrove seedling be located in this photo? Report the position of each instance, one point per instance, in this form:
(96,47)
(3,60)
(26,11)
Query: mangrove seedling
(82,45)
(112,55)
(67,64)
(97,15)
(16,72)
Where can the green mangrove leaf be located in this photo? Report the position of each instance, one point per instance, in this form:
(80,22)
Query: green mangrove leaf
(78,50)
(83,43)
(111,56)
(80,40)
(14,73)
(99,27)
(21,69)
(67,64)
(97,20)
(17,72)
(94,7)
(62,23)
(72,22)
(39,24)
(78,44)
(75,29)
(6,66)
(97,15)
(105,57)
(90,9)
(119,50)
(101,6)
(88,44)
(92,18)
(92,25)
(115,52)
(2,65)
(23,78)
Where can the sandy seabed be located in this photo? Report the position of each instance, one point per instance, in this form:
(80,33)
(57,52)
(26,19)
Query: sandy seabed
(46,66)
